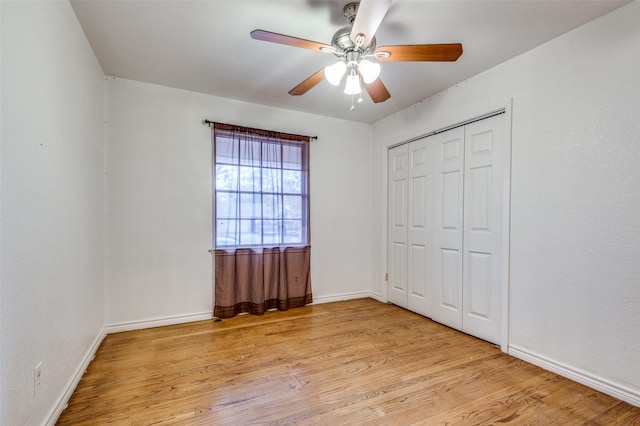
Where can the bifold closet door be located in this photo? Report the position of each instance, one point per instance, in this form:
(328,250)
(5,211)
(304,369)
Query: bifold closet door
(448,168)
(469,198)
(484,201)
(397,225)
(419,227)
(410,226)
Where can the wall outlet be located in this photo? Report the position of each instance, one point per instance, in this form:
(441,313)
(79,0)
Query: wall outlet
(37,377)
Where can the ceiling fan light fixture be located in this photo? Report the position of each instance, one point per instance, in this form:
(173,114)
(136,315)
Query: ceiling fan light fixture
(333,73)
(353,84)
(369,71)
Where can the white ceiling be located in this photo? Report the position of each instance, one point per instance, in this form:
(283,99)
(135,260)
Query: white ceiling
(204,46)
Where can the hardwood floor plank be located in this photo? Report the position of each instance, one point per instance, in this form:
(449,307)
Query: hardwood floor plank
(351,362)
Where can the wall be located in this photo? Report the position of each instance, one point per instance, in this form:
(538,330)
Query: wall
(159,200)
(52,306)
(575,204)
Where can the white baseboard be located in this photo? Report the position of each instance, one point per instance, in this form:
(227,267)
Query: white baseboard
(157,322)
(340,297)
(377,296)
(603,385)
(63,400)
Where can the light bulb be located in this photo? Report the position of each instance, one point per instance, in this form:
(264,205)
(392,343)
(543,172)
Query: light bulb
(369,71)
(333,73)
(353,84)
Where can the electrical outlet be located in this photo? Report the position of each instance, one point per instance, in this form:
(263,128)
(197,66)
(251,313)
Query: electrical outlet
(37,377)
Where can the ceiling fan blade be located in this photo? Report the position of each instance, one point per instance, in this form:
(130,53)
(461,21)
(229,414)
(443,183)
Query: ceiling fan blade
(377,91)
(291,41)
(308,84)
(421,52)
(368,19)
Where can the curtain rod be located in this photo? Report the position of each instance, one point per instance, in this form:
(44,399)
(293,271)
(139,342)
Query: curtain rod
(206,122)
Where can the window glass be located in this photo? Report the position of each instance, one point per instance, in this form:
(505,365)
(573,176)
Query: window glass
(226,177)
(292,181)
(271,180)
(226,205)
(250,179)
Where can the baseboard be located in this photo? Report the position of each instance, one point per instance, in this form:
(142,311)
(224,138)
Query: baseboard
(157,322)
(63,400)
(340,297)
(377,296)
(603,385)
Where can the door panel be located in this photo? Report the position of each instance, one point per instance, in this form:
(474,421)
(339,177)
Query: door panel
(479,273)
(479,183)
(483,223)
(418,279)
(451,194)
(450,280)
(418,233)
(448,168)
(398,190)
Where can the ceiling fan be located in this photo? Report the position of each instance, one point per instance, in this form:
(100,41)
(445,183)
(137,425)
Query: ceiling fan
(355,45)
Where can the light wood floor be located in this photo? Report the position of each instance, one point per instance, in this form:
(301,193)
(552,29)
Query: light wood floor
(351,362)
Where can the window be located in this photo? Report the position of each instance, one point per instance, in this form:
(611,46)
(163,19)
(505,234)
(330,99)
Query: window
(261,188)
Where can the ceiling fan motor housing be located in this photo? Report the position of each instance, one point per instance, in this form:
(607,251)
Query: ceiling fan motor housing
(342,42)
(342,38)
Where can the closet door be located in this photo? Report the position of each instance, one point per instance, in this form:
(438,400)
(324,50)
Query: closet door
(419,227)
(397,225)
(484,198)
(448,172)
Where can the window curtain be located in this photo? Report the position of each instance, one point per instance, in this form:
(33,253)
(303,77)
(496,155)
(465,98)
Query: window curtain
(262,255)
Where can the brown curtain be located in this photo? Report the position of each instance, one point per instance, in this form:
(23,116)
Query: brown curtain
(254,282)
(262,255)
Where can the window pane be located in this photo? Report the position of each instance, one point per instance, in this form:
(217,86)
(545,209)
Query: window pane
(271,155)
(271,179)
(226,232)
(293,231)
(291,181)
(250,153)
(226,205)
(226,177)
(250,231)
(226,149)
(292,207)
(250,206)
(250,179)
(271,206)
(292,157)
(271,231)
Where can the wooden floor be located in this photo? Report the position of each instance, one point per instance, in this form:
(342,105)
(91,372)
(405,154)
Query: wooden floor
(341,363)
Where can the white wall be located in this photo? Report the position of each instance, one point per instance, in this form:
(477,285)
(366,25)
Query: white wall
(575,215)
(159,200)
(52,306)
